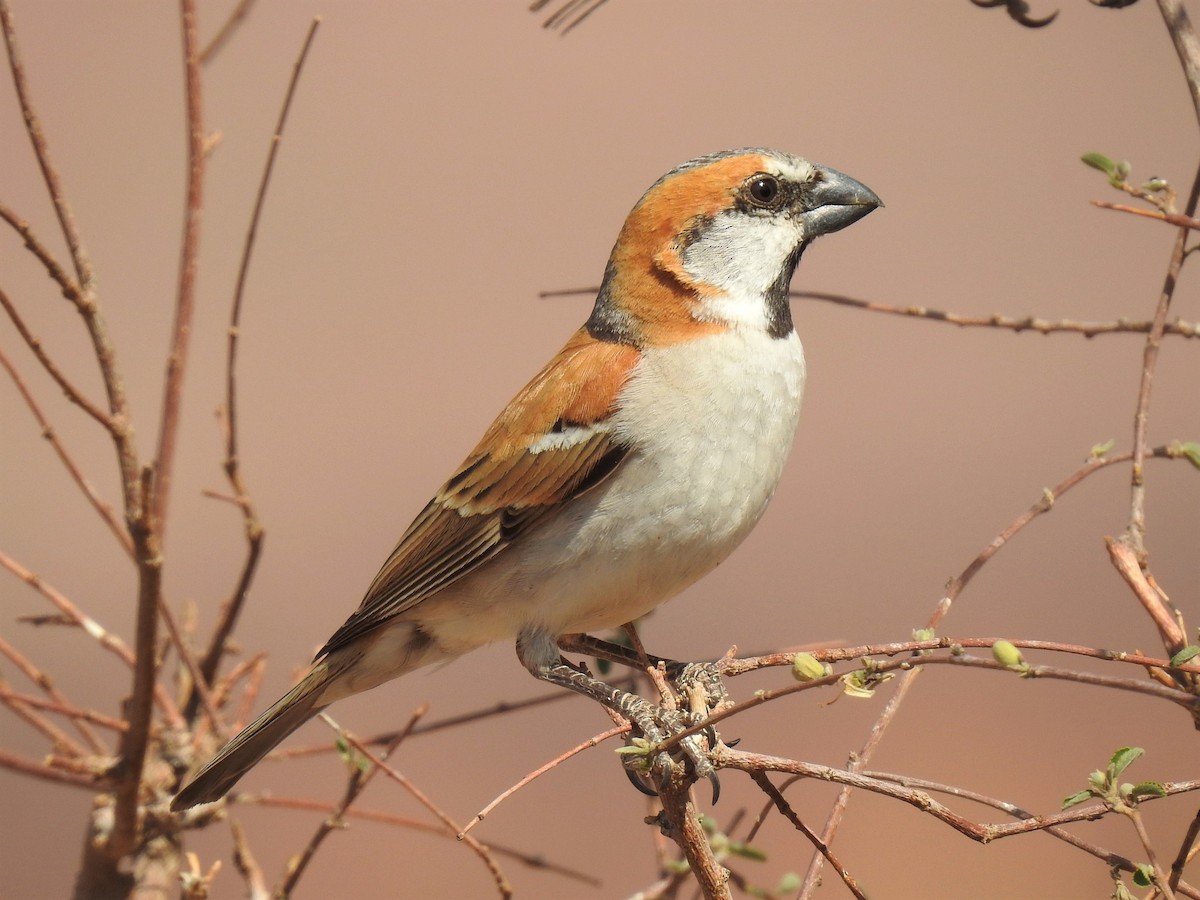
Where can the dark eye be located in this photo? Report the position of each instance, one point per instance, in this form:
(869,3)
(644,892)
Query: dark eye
(763,190)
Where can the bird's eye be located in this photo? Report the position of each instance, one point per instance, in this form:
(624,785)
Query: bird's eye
(763,190)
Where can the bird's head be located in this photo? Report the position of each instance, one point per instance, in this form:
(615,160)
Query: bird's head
(713,244)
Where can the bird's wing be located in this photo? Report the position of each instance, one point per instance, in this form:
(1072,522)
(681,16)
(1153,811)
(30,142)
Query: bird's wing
(552,443)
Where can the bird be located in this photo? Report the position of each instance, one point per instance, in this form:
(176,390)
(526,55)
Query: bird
(630,466)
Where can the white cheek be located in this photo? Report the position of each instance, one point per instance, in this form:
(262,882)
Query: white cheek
(741,256)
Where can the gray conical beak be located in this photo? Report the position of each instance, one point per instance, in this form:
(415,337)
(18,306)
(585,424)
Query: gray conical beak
(835,201)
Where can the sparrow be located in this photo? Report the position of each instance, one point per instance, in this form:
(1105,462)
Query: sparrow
(631,465)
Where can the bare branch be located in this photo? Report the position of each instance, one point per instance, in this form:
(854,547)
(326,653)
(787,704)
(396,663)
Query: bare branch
(542,770)
(69,288)
(226,31)
(33,127)
(1135,533)
(785,808)
(355,785)
(24,766)
(185,300)
(102,507)
(74,394)
(1008,323)
(502,884)
(1172,218)
(1183,36)
(230,611)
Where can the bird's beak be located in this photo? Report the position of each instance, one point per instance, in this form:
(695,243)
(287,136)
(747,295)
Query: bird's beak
(835,201)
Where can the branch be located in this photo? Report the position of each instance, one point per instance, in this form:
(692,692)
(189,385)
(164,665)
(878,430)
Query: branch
(83,297)
(225,32)
(502,884)
(1135,533)
(785,809)
(46,683)
(253,528)
(74,394)
(682,824)
(102,507)
(128,771)
(1183,36)
(185,299)
(542,770)
(16,763)
(55,270)
(357,783)
(532,860)
(1171,218)
(41,150)
(1010,323)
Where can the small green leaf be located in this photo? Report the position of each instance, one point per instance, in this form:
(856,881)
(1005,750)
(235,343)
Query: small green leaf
(1191,450)
(745,851)
(1098,780)
(1120,761)
(1007,654)
(1123,169)
(1147,789)
(1185,655)
(806,667)
(789,883)
(1076,799)
(1155,185)
(1143,875)
(924,634)
(1101,162)
(1100,450)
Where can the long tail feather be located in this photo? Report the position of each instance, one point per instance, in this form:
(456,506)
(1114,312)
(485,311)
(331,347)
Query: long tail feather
(244,751)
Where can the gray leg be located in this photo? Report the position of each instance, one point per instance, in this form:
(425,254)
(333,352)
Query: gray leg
(538,652)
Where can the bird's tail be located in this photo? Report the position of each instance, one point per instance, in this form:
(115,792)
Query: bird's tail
(256,740)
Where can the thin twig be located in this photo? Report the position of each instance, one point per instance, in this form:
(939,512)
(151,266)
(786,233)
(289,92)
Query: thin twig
(94,629)
(1112,859)
(226,31)
(1007,323)
(102,507)
(1186,849)
(53,267)
(1187,47)
(41,150)
(1135,533)
(74,713)
(1161,879)
(542,770)
(954,589)
(785,808)
(84,298)
(532,860)
(46,683)
(1172,218)
(63,743)
(74,394)
(230,611)
(502,884)
(247,865)
(355,785)
(24,766)
(181,329)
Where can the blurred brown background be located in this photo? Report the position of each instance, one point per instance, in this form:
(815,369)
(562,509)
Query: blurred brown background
(446,162)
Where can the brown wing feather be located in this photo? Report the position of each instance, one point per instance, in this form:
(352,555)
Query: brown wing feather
(549,445)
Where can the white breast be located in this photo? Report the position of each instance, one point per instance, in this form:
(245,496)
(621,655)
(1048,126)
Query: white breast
(711,422)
